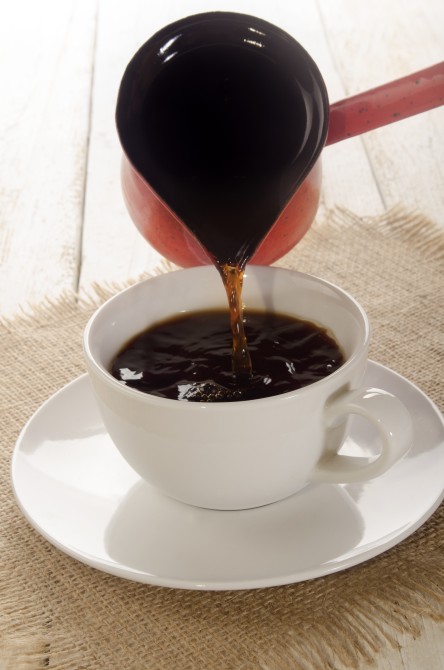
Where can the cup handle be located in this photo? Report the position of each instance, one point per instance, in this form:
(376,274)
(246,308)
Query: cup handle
(393,422)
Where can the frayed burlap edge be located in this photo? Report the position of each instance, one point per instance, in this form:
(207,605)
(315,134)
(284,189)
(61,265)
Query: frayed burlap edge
(347,623)
(427,237)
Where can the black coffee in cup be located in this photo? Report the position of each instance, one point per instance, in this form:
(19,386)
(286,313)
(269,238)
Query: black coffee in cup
(188,357)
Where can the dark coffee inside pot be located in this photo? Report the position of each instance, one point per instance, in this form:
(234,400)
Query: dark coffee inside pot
(224,115)
(188,357)
(217,136)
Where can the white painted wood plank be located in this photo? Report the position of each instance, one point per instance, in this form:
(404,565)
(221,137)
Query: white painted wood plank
(45,65)
(112,249)
(378,42)
(40,219)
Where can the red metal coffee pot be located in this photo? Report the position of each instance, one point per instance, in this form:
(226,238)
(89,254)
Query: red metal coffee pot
(153,215)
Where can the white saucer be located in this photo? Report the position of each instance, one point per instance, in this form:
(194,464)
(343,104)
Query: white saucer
(78,492)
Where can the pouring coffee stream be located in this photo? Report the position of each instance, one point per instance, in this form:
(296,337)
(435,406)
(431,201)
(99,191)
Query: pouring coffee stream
(232,278)
(222,118)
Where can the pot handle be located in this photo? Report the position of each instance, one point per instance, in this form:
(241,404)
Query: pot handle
(399,99)
(393,422)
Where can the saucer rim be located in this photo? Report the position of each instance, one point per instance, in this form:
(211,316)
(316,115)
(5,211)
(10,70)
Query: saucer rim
(132,574)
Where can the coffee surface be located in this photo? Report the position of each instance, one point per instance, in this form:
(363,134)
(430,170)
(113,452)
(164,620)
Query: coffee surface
(189,357)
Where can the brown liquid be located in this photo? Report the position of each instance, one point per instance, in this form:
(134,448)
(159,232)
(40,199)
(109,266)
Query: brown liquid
(188,357)
(232,278)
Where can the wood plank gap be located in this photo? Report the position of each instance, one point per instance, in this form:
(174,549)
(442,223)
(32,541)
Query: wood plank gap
(374,174)
(79,243)
(335,61)
(347,93)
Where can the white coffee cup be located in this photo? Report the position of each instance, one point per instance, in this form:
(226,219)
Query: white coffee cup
(238,455)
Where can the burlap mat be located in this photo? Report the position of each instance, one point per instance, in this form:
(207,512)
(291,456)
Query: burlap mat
(58,613)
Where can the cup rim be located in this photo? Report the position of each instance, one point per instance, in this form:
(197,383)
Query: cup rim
(151,399)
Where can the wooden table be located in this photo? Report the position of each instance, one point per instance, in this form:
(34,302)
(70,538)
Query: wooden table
(63,224)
